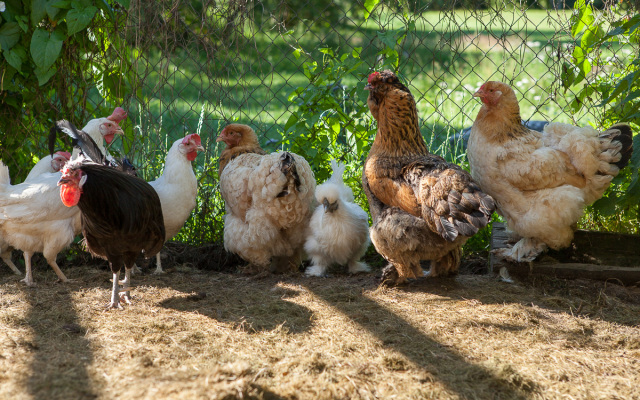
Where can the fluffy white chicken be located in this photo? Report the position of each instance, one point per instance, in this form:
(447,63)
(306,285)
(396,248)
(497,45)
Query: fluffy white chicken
(268,204)
(339,228)
(540,181)
(177,186)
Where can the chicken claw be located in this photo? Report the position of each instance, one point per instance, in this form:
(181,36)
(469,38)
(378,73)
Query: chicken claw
(525,250)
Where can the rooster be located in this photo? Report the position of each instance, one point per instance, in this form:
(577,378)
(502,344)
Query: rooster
(177,186)
(423,208)
(339,228)
(121,217)
(268,201)
(540,181)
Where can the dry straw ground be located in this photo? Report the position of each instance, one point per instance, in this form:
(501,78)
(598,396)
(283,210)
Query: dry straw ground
(201,334)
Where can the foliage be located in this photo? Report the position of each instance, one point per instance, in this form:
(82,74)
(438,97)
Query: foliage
(329,117)
(616,88)
(56,56)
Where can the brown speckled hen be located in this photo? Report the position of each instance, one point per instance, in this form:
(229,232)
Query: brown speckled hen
(423,207)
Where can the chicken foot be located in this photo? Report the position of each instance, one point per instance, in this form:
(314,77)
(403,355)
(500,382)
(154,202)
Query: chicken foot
(525,250)
(28,275)
(115,298)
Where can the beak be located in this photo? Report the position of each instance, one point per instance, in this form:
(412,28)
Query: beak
(219,138)
(200,148)
(63,180)
(328,207)
(479,93)
(368,86)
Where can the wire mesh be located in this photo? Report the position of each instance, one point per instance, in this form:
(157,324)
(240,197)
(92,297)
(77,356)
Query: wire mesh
(198,65)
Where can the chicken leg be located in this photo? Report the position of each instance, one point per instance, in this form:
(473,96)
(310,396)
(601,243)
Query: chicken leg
(6,257)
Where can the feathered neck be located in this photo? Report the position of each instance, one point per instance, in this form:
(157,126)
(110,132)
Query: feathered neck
(176,165)
(500,122)
(398,131)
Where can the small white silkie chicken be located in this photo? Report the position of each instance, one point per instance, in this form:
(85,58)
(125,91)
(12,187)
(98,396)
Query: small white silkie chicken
(339,229)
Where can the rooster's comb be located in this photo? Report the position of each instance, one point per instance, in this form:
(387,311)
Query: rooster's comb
(118,115)
(373,76)
(64,154)
(194,136)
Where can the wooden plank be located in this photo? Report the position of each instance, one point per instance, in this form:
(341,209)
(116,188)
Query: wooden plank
(592,255)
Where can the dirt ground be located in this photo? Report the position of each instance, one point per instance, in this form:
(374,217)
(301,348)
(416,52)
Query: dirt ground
(201,331)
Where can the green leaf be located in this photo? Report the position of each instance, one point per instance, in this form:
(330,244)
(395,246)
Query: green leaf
(606,205)
(625,84)
(9,35)
(38,11)
(369,5)
(568,75)
(296,53)
(44,74)
(45,48)
(15,57)
(78,19)
(62,4)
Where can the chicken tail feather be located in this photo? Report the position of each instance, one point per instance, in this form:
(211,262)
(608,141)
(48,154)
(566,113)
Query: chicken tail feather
(288,168)
(620,135)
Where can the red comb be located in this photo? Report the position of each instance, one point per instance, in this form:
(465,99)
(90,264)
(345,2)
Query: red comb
(372,76)
(194,136)
(64,154)
(118,115)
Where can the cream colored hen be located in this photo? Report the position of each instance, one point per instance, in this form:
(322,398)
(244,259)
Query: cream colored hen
(268,200)
(540,181)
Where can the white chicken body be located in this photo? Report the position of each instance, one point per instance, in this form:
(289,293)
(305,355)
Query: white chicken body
(339,228)
(267,211)
(33,219)
(541,181)
(530,213)
(177,189)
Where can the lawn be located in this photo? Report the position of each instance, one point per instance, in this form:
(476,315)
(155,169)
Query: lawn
(202,334)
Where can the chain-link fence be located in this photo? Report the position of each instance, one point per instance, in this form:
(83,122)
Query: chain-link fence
(194,66)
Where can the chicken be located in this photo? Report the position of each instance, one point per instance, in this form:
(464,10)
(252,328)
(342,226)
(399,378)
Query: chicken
(423,208)
(540,181)
(121,217)
(339,228)
(85,144)
(52,163)
(58,159)
(177,187)
(240,139)
(31,219)
(268,200)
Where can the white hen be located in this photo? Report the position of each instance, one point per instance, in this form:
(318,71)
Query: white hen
(177,186)
(339,228)
(33,219)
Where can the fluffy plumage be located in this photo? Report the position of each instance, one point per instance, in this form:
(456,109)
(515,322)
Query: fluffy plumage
(240,139)
(121,216)
(268,201)
(177,187)
(423,207)
(540,181)
(339,228)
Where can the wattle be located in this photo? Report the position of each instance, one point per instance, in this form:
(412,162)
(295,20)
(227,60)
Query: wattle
(109,137)
(70,196)
(192,155)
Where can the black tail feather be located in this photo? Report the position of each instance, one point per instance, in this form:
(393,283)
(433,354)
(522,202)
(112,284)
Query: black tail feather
(625,137)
